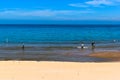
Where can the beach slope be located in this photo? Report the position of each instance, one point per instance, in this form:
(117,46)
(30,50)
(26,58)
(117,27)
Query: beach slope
(31,70)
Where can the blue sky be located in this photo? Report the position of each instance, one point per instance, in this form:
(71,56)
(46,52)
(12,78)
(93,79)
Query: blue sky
(60,9)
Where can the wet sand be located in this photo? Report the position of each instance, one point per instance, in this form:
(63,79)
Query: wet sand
(32,70)
(58,53)
(113,55)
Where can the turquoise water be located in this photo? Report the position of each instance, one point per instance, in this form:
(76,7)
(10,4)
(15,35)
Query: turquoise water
(57,42)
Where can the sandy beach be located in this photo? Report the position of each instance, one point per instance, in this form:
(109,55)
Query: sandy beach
(32,70)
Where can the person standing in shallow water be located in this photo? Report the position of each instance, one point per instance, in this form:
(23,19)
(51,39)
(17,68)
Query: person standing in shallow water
(82,46)
(23,47)
(93,45)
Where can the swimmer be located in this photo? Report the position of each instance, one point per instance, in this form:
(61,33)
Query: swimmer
(82,46)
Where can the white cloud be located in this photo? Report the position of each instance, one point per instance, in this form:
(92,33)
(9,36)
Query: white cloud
(117,0)
(42,13)
(99,2)
(27,13)
(78,5)
(96,3)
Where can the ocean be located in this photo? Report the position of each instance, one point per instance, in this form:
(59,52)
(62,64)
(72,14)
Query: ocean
(57,42)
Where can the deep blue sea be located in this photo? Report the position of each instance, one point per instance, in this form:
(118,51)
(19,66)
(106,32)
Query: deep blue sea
(59,33)
(57,42)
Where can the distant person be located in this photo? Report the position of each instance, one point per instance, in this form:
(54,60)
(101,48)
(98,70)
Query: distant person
(6,40)
(114,41)
(93,45)
(23,46)
(82,46)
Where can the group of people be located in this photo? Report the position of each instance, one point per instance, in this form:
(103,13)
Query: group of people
(82,45)
(92,45)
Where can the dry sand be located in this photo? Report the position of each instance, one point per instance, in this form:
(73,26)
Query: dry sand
(28,70)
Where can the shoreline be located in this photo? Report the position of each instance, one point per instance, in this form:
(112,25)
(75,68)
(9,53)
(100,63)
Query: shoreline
(100,56)
(59,53)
